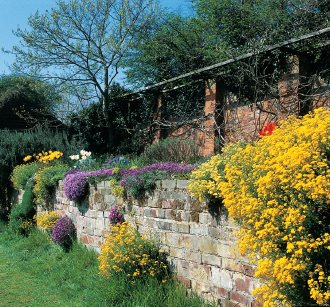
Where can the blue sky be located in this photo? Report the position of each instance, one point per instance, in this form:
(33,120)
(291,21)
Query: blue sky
(15,13)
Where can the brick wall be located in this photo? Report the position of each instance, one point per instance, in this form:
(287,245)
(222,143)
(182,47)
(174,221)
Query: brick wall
(200,242)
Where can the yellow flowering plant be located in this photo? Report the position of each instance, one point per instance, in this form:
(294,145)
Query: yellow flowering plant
(44,156)
(278,190)
(46,180)
(47,220)
(22,173)
(127,252)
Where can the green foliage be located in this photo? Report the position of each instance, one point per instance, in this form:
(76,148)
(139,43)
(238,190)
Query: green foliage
(22,173)
(137,186)
(21,216)
(26,102)
(14,146)
(171,150)
(48,276)
(46,180)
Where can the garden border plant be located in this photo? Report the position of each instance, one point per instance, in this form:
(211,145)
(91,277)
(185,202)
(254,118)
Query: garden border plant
(278,190)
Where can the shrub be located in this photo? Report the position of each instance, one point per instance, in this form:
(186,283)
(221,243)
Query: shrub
(47,220)
(64,232)
(21,217)
(171,149)
(127,252)
(22,173)
(117,161)
(278,189)
(46,180)
(14,146)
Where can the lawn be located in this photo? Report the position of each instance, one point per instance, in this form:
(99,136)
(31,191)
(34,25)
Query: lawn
(36,272)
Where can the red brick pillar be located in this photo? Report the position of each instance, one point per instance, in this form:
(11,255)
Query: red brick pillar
(288,87)
(207,135)
(158,117)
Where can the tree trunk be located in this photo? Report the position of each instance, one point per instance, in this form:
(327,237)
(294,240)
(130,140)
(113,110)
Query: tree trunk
(108,122)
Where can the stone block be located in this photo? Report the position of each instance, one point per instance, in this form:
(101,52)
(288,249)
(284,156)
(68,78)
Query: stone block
(158,184)
(240,298)
(194,256)
(90,226)
(187,206)
(204,218)
(243,285)
(184,280)
(146,212)
(232,265)
(99,227)
(221,278)
(200,272)
(200,287)
(160,213)
(181,196)
(168,214)
(228,251)
(153,212)
(164,225)
(197,229)
(182,184)
(221,292)
(110,199)
(168,184)
(180,227)
(177,252)
(185,216)
(166,204)
(211,259)
(101,185)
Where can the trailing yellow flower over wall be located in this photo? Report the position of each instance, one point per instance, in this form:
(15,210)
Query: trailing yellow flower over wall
(278,190)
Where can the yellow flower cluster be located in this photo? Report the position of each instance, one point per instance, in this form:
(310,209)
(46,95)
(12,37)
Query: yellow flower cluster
(116,189)
(126,251)
(278,189)
(47,220)
(44,156)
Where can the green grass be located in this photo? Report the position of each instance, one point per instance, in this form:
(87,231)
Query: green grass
(36,272)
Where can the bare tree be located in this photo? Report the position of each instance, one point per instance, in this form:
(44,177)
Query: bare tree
(82,43)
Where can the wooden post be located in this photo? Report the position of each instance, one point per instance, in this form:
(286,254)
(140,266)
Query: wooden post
(158,117)
(208,134)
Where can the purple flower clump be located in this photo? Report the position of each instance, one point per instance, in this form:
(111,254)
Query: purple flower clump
(169,167)
(75,181)
(64,232)
(115,216)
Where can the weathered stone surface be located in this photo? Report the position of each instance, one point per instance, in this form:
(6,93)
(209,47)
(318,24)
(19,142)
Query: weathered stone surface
(182,184)
(211,259)
(201,247)
(169,184)
(181,227)
(198,229)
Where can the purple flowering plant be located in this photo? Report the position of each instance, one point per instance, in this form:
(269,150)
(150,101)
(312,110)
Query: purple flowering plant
(116,216)
(135,180)
(64,232)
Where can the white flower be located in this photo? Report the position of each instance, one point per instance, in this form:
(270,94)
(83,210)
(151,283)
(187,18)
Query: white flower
(74,157)
(83,158)
(87,153)
(82,152)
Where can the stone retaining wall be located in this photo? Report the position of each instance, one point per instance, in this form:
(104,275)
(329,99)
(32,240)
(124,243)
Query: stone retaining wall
(200,240)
